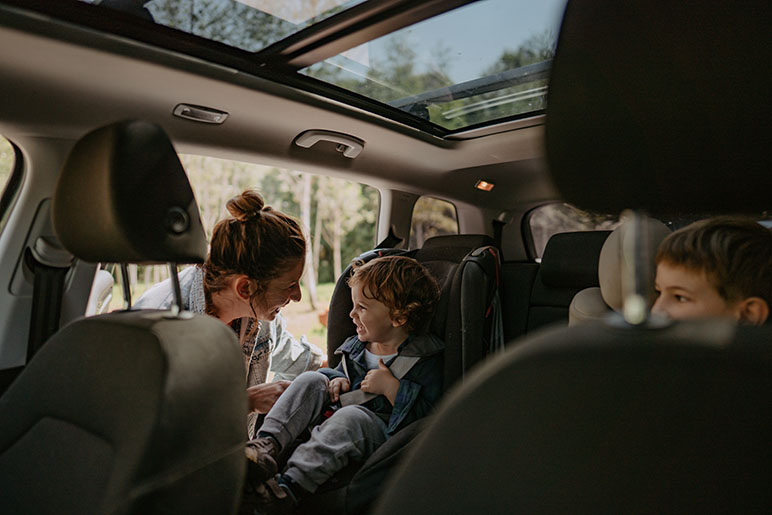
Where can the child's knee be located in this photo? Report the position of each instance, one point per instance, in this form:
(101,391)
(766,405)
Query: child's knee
(311,379)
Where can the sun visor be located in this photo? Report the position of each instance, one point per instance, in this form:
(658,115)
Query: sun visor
(123,196)
(662,106)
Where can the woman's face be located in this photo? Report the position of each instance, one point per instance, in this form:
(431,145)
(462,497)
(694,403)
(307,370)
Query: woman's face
(280,291)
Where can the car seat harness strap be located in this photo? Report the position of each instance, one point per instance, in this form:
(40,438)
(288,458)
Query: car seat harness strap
(399,368)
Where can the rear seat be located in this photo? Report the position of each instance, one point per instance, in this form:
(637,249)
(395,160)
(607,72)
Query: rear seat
(535,295)
(466,268)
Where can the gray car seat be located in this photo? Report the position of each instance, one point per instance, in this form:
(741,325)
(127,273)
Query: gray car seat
(466,267)
(136,411)
(569,264)
(656,106)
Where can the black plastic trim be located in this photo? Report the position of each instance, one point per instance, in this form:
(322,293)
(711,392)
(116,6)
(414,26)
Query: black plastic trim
(12,186)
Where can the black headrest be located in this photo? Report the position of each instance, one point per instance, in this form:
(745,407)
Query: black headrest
(662,106)
(469,241)
(570,259)
(123,196)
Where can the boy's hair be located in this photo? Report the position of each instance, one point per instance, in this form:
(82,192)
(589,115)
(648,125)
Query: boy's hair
(402,284)
(734,252)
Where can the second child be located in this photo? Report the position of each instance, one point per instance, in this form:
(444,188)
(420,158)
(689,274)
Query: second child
(389,376)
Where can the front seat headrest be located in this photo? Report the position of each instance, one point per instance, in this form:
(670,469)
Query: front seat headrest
(662,106)
(593,304)
(123,196)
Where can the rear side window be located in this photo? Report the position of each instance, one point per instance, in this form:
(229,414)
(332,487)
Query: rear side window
(544,221)
(7,161)
(432,217)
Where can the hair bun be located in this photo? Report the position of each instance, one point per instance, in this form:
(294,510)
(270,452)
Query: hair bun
(246,206)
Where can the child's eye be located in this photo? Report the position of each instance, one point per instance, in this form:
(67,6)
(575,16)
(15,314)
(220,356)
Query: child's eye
(681,298)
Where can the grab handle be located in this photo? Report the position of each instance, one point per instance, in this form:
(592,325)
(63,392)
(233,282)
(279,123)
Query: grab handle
(348,145)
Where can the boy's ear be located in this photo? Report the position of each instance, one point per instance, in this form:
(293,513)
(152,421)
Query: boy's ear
(398,321)
(753,311)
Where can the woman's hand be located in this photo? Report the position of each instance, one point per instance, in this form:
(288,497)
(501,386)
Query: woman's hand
(381,381)
(262,397)
(338,386)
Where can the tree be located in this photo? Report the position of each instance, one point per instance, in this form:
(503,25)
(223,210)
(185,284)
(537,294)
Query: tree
(7,161)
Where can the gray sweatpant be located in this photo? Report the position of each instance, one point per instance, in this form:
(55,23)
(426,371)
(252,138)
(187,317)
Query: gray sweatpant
(352,432)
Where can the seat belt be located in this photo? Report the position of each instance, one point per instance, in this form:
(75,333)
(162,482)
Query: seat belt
(399,367)
(49,263)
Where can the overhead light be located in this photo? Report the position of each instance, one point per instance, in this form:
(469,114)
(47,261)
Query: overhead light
(484,185)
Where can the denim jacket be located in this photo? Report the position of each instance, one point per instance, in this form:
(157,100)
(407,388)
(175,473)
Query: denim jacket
(419,390)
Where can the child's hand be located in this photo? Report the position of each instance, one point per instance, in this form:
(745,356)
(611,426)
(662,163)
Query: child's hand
(338,386)
(381,381)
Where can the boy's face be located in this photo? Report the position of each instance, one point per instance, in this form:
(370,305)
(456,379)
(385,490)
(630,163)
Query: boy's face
(373,320)
(685,293)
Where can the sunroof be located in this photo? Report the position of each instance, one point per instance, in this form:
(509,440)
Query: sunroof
(482,62)
(486,61)
(245,24)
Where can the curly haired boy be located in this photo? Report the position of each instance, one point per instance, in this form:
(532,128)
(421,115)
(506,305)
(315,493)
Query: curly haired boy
(389,376)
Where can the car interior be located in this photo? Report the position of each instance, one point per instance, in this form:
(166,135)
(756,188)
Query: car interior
(504,109)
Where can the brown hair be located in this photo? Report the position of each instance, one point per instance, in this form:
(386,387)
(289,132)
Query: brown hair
(256,241)
(734,252)
(402,284)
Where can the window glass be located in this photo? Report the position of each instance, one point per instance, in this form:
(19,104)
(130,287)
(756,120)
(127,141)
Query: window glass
(544,221)
(7,161)
(246,24)
(338,216)
(481,62)
(432,217)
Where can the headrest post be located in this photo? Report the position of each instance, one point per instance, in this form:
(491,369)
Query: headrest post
(176,307)
(126,284)
(636,253)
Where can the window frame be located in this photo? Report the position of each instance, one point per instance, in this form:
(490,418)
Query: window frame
(11,188)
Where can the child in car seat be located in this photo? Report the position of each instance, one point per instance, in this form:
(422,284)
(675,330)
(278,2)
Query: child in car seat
(716,267)
(388,377)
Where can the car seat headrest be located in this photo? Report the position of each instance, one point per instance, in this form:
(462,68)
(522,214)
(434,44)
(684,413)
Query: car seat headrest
(123,196)
(662,106)
(570,259)
(613,260)
(469,241)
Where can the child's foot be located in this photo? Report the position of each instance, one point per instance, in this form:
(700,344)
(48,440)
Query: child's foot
(273,499)
(261,459)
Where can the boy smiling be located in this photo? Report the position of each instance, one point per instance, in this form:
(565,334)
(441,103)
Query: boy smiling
(390,375)
(719,267)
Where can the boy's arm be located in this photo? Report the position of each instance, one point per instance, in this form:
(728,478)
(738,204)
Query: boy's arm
(418,392)
(332,373)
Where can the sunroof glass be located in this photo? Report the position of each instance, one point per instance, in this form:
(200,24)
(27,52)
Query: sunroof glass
(246,24)
(482,62)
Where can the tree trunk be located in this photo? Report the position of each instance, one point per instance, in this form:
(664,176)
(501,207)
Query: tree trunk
(317,239)
(309,276)
(336,245)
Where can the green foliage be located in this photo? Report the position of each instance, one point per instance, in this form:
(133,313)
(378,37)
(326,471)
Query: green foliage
(551,219)
(347,211)
(7,161)
(431,217)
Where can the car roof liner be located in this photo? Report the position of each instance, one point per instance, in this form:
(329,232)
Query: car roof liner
(662,107)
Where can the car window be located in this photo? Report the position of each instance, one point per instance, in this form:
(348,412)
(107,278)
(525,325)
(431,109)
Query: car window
(549,219)
(432,217)
(7,160)
(7,177)
(339,217)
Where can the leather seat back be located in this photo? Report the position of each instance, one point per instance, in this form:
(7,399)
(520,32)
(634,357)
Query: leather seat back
(129,412)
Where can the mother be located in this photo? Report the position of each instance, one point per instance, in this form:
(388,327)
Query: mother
(255,261)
